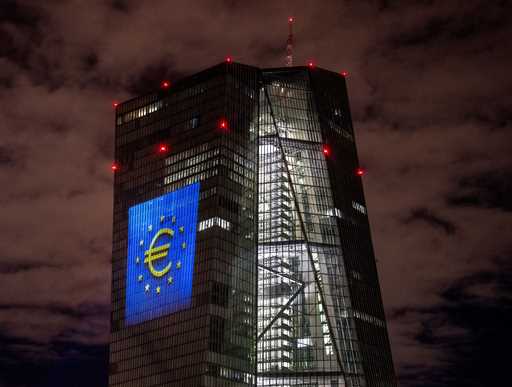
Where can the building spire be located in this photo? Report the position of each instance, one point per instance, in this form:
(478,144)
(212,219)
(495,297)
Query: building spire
(289,43)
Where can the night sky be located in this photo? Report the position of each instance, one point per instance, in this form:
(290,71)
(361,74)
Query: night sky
(431,93)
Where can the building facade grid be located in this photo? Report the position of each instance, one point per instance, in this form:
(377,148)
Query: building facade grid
(285,289)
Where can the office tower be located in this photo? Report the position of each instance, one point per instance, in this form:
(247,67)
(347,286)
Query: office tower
(242,252)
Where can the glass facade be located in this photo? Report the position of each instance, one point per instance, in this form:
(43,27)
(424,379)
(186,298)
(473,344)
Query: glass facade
(284,284)
(209,340)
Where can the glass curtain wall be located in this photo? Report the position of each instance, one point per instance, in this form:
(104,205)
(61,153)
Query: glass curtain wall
(212,342)
(305,334)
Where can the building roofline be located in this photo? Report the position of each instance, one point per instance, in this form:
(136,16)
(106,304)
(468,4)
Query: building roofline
(191,77)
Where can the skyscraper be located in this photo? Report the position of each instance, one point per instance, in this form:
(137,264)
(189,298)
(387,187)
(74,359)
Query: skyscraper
(242,252)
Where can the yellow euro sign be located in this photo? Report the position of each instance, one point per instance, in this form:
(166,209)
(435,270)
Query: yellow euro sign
(156,253)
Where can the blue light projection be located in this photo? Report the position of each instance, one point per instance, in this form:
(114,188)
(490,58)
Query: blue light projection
(161,248)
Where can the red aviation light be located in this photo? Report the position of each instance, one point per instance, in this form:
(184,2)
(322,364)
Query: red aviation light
(163,148)
(311,64)
(229,59)
(114,167)
(165,84)
(326,150)
(115,104)
(360,171)
(290,19)
(223,124)
(344,73)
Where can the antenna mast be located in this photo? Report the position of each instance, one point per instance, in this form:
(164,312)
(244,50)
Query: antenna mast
(289,43)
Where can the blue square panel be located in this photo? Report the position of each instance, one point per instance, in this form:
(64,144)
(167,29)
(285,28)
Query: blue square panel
(161,249)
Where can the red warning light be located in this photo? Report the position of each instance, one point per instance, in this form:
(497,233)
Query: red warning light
(229,59)
(114,167)
(326,150)
(344,73)
(311,64)
(163,148)
(360,171)
(165,84)
(290,19)
(115,104)
(223,124)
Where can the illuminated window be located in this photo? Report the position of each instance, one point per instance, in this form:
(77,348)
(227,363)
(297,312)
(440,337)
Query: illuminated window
(369,319)
(335,212)
(359,207)
(140,112)
(214,222)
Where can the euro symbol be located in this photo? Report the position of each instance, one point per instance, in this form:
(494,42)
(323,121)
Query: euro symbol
(156,253)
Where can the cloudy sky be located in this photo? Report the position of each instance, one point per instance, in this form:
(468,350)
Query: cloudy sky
(431,95)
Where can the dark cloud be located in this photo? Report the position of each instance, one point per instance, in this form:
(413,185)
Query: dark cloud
(90,61)
(10,266)
(152,75)
(467,23)
(7,158)
(120,5)
(55,364)
(429,86)
(491,189)
(470,328)
(16,13)
(428,216)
